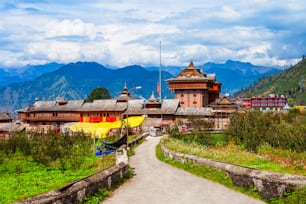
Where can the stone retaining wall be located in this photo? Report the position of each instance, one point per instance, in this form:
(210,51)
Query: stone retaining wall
(77,191)
(137,139)
(268,184)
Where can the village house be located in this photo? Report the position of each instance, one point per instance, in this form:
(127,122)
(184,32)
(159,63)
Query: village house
(195,94)
(272,102)
(8,125)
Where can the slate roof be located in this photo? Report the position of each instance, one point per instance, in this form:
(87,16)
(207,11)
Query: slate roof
(5,116)
(135,107)
(169,106)
(104,105)
(50,106)
(204,111)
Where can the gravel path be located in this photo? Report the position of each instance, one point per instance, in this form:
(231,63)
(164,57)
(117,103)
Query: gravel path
(158,183)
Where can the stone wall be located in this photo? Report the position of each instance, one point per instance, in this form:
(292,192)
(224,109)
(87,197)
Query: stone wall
(268,184)
(77,191)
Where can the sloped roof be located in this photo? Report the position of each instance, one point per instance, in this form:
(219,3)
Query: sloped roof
(203,111)
(191,73)
(5,116)
(8,127)
(224,101)
(70,105)
(135,107)
(169,106)
(104,105)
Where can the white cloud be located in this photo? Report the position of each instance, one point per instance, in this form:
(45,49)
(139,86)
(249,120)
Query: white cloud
(128,32)
(68,27)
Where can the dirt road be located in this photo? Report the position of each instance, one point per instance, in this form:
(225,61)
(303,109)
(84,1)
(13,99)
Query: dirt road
(158,183)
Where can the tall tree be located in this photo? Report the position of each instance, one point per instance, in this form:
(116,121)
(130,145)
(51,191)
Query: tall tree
(98,93)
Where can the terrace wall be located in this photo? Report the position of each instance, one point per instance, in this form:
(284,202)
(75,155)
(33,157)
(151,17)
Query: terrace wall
(77,191)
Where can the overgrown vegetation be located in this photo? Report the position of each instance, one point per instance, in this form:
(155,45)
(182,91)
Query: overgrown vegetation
(278,130)
(33,163)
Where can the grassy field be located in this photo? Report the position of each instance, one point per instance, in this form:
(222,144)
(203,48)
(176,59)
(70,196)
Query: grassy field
(22,178)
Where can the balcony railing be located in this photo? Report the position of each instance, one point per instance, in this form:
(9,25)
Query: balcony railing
(53,118)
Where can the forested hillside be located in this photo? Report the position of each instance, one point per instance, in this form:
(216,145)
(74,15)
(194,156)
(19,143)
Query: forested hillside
(290,82)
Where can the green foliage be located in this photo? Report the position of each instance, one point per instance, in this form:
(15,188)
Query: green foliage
(296,197)
(16,142)
(68,151)
(200,137)
(20,179)
(33,163)
(98,93)
(253,129)
(234,154)
(98,197)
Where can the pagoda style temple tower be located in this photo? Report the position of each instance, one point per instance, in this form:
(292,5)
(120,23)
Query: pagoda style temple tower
(194,88)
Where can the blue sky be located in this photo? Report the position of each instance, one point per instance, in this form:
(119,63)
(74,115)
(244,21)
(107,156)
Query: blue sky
(126,32)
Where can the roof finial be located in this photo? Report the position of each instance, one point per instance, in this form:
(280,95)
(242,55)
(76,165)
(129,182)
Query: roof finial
(191,64)
(152,97)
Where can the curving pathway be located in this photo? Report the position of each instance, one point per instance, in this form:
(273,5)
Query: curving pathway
(158,183)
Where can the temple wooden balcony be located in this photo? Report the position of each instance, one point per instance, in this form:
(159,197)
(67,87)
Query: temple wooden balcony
(54,118)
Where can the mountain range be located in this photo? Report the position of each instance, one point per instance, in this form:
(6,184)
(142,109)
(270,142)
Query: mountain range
(20,87)
(77,80)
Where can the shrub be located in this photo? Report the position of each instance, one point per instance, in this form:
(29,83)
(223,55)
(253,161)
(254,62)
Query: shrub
(253,129)
(49,149)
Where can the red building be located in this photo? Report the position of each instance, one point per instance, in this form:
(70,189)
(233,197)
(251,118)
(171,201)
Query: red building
(271,102)
(194,88)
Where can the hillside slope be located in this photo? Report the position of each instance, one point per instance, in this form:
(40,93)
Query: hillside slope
(290,82)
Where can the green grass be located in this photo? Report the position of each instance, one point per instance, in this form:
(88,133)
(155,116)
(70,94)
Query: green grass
(237,155)
(22,178)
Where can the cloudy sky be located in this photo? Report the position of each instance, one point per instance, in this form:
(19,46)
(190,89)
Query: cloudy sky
(126,32)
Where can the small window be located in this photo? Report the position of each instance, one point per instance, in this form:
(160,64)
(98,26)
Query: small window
(182,95)
(194,102)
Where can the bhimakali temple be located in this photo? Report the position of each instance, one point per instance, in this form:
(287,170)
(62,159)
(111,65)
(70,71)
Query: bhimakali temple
(195,88)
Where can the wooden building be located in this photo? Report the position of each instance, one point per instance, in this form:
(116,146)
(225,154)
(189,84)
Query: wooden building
(222,109)
(8,125)
(194,88)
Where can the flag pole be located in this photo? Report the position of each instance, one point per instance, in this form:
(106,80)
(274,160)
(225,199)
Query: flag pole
(160,82)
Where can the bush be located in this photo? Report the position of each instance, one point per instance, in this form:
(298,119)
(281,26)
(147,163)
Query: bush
(49,149)
(202,138)
(253,129)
